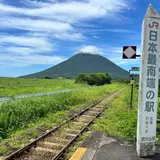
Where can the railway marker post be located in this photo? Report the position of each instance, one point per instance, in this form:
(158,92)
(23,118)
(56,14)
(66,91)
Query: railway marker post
(148,84)
(132,83)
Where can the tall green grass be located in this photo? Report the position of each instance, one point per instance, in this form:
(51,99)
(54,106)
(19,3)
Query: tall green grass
(118,119)
(19,86)
(15,115)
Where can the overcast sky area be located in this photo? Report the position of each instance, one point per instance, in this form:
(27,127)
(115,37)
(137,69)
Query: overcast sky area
(38,34)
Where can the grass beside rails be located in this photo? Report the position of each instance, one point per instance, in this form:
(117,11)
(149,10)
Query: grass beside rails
(19,86)
(38,114)
(118,119)
(20,138)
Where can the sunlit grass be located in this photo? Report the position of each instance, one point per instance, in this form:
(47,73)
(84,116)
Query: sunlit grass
(19,86)
(118,119)
(24,119)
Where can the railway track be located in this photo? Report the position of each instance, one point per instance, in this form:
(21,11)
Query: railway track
(54,143)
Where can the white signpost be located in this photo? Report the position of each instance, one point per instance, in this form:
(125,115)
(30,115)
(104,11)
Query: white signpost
(148,90)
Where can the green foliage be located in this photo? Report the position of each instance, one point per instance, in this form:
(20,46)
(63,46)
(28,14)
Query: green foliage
(94,79)
(21,137)
(124,81)
(15,115)
(118,119)
(159,89)
(19,86)
(47,77)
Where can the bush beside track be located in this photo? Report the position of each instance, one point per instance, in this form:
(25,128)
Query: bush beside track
(94,79)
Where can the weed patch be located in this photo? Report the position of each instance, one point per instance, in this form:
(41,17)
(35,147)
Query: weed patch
(118,119)
(19,86)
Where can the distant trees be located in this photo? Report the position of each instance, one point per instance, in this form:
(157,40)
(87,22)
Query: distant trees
(94,79)
(48,78)
(124,81)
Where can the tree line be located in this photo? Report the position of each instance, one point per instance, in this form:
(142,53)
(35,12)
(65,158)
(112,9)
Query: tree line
(94,79)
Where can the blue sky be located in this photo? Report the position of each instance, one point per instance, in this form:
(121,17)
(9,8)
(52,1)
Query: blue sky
(37,34)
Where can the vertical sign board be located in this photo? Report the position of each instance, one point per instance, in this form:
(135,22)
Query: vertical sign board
(148,90)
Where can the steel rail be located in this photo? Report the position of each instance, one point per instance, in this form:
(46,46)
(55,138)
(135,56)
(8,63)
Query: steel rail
(19,152)
(56,157)
(26,148)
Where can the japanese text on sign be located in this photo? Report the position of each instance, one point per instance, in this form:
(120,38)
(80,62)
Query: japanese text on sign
(151,78)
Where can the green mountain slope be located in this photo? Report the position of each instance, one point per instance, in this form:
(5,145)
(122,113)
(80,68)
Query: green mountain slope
(82,63)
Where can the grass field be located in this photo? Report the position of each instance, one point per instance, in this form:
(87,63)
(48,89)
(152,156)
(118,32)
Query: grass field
(19,86)
(119,120)
(17,117)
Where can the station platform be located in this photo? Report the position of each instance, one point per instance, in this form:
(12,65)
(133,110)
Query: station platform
(99,147)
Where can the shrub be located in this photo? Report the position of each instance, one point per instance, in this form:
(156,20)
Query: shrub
(48,78)
(94,79)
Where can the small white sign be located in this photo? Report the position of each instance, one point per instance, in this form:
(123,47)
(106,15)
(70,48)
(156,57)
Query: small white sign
(135,68)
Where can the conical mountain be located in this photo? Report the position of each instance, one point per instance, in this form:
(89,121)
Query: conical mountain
(82,63)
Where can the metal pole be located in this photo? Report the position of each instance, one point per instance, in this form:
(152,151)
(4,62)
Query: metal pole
(131,95)
(130,72)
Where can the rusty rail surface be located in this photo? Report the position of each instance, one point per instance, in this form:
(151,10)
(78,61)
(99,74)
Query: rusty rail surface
(34,143)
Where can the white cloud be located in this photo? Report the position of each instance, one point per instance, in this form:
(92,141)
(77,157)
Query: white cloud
(58,18)
(100,31)
(34,24)
(26,41)
(119,30)
(90,49)
(26,50)
(43,22)
(95,36)
(35,3)
(22,51)
(14,50)
(71,10)
(69,36)
(120,61)
(11,60)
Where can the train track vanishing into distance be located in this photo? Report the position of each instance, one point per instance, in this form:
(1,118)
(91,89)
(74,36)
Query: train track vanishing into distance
(54,143)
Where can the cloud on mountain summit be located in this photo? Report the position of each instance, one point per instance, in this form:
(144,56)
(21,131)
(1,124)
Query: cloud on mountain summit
(90,50)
